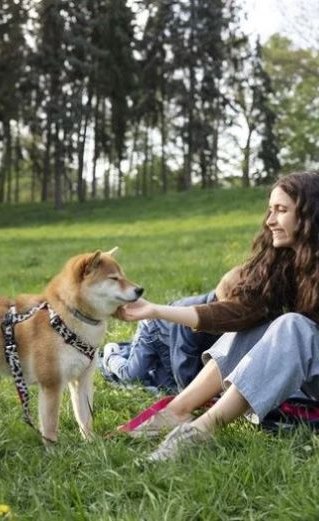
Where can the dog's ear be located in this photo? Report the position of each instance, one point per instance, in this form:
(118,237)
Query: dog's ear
(93,262)
(112,251)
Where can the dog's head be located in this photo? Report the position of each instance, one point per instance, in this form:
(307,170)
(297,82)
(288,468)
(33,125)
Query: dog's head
(98,282)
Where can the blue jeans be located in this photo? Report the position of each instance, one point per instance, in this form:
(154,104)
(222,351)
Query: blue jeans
(163,354)
(186,345)
(270,362)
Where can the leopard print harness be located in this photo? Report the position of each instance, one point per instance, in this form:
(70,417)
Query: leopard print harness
(11,352)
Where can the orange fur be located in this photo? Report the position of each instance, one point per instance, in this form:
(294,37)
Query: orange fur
(95,285)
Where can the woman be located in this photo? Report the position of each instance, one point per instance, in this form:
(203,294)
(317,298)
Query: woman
(274,311)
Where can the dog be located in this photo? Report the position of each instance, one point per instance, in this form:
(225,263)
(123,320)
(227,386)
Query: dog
(86,292)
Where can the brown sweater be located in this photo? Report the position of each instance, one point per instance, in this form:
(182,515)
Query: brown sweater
(220,317)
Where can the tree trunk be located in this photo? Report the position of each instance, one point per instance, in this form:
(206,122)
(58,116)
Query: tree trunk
(8,159)
(213,176)
(120,177)
(96,147)
(57,170)
(32,191)
(46,162)
(145,164)
(203,169)
(246,160)
(152,172)
(106,188)
(17,168)
(2,183)
(81,148)
(131,162)
(191,103)
(107,176)
(163,137)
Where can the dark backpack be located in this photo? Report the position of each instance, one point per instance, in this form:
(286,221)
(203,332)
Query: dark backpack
(291,413)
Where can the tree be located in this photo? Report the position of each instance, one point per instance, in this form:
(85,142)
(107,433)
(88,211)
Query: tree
(294,74)
(252,101)
(199,54)
(154,87)
(13,48)
(50,63)
(119,40)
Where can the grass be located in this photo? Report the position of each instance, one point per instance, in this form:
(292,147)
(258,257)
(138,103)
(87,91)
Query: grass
(173,246)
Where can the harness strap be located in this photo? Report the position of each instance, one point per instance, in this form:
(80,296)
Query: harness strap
(12,357)
(11,352)
(68,336)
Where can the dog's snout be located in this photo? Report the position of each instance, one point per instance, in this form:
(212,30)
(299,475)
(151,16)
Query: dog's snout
(139,292)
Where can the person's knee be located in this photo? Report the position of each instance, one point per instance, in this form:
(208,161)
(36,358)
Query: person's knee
(293,319)
(294,331)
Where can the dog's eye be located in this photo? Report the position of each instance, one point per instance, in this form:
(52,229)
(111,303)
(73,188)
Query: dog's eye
(113,277)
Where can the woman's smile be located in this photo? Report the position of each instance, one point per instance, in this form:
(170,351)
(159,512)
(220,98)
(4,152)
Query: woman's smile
(282,220)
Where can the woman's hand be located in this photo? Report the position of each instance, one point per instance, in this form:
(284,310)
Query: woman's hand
(142,309)
(136,311)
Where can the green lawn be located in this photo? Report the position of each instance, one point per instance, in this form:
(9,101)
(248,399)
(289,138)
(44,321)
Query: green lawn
(173,246)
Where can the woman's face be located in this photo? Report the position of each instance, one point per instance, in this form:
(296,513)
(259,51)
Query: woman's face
(282,220)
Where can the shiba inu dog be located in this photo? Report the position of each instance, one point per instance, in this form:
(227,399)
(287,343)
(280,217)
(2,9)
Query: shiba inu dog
(56,335)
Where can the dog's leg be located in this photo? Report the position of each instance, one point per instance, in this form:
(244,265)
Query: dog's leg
(82,401)
(49,405)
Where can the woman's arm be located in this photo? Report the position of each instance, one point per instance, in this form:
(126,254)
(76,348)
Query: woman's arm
(143,309)
(187,316)
(215,317)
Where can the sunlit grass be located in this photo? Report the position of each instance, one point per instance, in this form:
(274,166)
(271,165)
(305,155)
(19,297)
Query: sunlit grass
(173,246)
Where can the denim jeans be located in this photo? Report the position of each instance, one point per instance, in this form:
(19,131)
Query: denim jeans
(270,362)
(186,345)
(163,354)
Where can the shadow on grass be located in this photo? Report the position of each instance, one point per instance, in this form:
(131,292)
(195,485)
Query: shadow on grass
(180,205)
(75,243)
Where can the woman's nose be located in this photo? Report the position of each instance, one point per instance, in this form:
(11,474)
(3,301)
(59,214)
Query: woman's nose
(271,219)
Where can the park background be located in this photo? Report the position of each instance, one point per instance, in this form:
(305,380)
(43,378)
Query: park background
(112,98)
(156,127)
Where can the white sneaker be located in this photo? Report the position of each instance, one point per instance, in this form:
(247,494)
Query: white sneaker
(175,441)
(109,348)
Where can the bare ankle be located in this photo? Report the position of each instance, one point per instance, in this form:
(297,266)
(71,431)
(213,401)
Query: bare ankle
(209,422)
(182,413)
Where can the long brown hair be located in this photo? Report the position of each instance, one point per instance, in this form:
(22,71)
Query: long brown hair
(286,279)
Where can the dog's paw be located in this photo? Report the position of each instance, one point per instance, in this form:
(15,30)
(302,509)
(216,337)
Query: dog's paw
(49,444)
(89,436)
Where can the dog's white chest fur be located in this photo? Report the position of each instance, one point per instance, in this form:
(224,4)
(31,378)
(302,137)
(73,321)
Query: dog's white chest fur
(72,363)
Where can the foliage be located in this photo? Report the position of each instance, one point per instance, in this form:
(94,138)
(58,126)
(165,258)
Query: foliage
(294,73)
(12,51)
(110,98)
(252,91)
(100,90)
